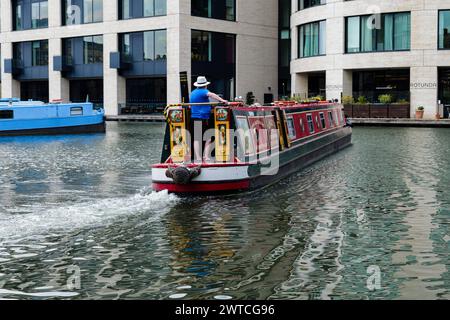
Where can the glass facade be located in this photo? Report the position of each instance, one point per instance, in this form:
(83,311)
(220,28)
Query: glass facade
(155,45)
(304,4)
(214,56)
(312,39)
(444,29)
(146,91)
(284,48)
(34,90)
(30,14)
(92,49)
(39,53)
(144,46)
(129,9)
(373,83)
(82,11)
(444,89)
(39,14)
(87,90)
(372,33)
(92,11)
(201,46)
(216,9)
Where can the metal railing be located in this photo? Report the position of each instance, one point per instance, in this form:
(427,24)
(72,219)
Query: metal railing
(142,108)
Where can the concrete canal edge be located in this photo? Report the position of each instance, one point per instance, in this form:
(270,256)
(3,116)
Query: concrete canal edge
(137,118)
(374,122)
(385,122)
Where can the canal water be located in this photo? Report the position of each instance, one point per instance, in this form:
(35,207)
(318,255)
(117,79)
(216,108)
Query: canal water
(79,221)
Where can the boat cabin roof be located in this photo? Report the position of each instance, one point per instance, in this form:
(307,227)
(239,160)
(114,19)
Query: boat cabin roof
(15,102)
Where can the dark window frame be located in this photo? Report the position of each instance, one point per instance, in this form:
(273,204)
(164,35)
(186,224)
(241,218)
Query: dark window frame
(120,5)
(360,34)
(76,111)
(18,6)
(6,114)
(42,57)
(216,18)
(299,7)
(91,56)
(299,43)
(438,29)
(310,120)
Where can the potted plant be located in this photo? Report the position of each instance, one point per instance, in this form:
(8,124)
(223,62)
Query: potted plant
(348,102)
(419,112)
(361,109)
(400,109)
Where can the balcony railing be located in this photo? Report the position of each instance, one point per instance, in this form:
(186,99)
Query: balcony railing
(142,108)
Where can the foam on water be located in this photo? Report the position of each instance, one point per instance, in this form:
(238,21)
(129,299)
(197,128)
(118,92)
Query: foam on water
(50,294)
(83,214)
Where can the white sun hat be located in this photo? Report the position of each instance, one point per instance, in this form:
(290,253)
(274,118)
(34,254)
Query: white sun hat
(201,82)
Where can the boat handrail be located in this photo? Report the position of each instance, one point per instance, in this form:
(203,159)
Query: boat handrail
(197,104)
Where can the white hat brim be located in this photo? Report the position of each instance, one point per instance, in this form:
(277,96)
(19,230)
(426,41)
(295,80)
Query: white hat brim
(202,84)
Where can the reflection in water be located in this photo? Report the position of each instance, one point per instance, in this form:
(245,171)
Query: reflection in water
(83,204)
(421,268)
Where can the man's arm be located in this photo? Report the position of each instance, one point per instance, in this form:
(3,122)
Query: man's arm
(216,97)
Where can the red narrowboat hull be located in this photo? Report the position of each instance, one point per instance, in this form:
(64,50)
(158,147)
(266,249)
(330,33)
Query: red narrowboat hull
(309,134)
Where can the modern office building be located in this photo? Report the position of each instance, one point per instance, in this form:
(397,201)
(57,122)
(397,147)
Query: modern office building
(129,55)
(372,47)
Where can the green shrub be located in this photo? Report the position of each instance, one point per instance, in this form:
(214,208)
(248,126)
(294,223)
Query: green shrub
(402,101)
(421,108)
(362,100)
(348,100)
(385,98)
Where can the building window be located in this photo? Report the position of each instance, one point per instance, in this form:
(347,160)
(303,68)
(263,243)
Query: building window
(18,16)
(372,33)
(92,49)
(444,29)
(155,8)
(155,45)
(39,14)
(30,14)
(304,4)
(82,11)
(142,8)
(92,11)
(312,39)
(373,83)
(126,45)
(201,46)
(39,53)
(216,9)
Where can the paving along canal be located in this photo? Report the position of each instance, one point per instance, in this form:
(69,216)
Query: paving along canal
(78,220)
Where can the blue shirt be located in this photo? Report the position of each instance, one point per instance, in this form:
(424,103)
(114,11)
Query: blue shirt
(200,95)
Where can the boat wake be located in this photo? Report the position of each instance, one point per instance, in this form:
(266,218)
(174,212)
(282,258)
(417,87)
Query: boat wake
(94,213)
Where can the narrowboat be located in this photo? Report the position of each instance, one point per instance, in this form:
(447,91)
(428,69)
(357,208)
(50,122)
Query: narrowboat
(36,117)
(254,146)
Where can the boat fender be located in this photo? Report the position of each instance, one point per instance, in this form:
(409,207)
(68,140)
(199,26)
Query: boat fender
(348,123)
(183,175)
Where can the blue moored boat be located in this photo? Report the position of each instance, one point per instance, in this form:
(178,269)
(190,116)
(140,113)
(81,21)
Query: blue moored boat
(36,117)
